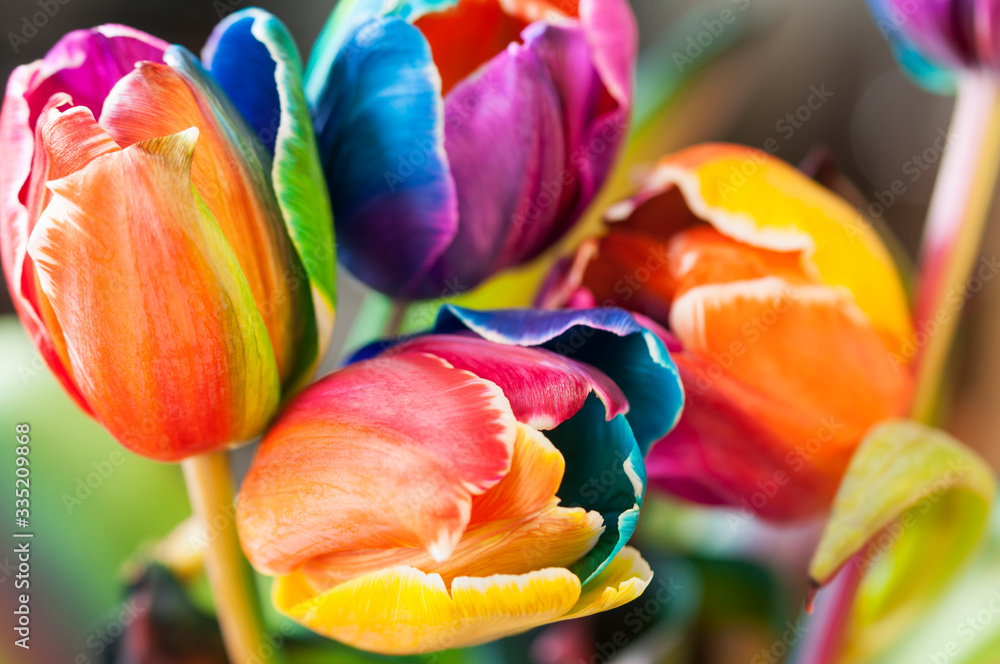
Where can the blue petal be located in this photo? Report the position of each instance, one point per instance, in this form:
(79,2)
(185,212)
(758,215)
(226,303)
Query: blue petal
(347,17)
(380,124)
(609,339)
(242,65)
(932,76)
(605,473)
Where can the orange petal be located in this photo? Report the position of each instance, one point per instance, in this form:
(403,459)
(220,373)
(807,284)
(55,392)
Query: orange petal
(155,100)
(516,528)
(163,337)
(805,349)
(468,35)
(758,199)
(384,453)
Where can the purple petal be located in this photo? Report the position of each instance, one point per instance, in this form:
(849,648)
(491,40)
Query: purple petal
(550,114)
(86,64)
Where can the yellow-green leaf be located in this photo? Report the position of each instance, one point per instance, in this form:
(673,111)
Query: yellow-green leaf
(912,507)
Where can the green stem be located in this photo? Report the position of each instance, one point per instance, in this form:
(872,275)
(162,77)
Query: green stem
(953,232)
(210,487)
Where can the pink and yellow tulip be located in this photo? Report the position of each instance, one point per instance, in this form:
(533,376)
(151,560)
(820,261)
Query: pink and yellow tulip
(465,484)
(782,309)
(171,260)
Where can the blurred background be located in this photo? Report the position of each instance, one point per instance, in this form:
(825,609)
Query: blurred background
(720,595)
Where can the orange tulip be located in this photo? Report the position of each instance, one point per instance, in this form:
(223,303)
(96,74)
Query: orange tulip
(782,309)
(175,272)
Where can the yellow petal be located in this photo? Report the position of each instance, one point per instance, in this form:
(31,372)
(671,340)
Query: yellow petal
(623,580)
(405,611)
(760,200)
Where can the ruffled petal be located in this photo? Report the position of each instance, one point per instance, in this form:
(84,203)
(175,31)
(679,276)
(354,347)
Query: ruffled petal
(254,45)
(761,201)
(158,319)
(609,339)
(381,454)
(405,611)
(380,126)
(807,348)
(623,580)
(230,175)
(544,389)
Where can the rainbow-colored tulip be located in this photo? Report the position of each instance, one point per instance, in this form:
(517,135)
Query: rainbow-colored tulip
(465,484)
(461,137)
(165,229)
(932,38)
(782,309)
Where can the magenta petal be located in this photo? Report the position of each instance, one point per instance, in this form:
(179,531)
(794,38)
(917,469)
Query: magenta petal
(614,37)
(504,139)
(86,64)
(544,389)
(551,122)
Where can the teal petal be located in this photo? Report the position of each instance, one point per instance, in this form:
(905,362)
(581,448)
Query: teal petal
(605,473)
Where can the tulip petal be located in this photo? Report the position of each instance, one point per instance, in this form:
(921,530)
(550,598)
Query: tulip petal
(723,452)
(624,579)
(229,173)
(345,19)
(87,64)
(466,35)
(544,389)
(407,442)
(26,171)
(804,348)
(380,125)
(157,274)
(515,528)
(609,339)
(759,200)
(604,473)
(254,45)
(513,108)
(405,611)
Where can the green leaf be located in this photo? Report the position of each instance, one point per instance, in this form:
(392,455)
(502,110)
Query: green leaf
(911,509)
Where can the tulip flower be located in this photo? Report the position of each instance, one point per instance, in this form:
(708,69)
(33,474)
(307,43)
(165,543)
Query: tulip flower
(465,484)
(782,309)
(930,39)
(165,230)
(462,137)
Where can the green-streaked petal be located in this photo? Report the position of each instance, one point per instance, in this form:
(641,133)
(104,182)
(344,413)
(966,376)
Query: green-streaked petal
(164,337)
(252,44)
